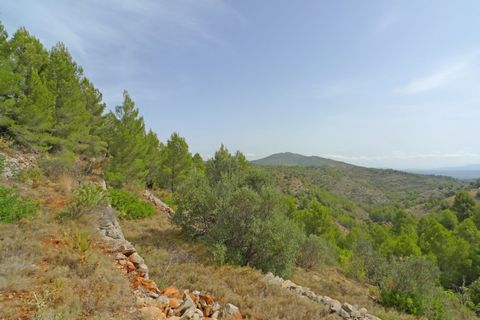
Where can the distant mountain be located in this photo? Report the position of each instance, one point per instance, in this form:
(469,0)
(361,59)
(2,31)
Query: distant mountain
(295,159)
(468,172)
(359,184)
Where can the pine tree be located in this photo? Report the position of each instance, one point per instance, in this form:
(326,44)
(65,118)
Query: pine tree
(8,83)
(95,107)
(71,124)
(198,162)
(177,161)
(153,159)
(127,145)
(36,117)
(28,111)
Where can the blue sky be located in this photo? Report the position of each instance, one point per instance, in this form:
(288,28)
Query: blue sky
(376,83)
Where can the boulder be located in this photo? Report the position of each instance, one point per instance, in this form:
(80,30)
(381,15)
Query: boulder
(187,304)
(288,284)
(349,308)
(363,311)
(230,312)
(142,270)
(152,313)
(135,259)
(172,292)
(130,266)
(344,314)
(334,305)
(174,303)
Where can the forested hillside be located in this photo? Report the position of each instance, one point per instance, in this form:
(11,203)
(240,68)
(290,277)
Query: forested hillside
(293,221)
(362,185)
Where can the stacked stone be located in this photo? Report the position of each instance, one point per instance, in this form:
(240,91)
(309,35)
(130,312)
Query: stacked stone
(345,310)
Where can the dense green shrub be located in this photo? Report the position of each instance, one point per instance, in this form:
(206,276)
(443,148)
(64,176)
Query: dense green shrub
(85,198)
(129,205)
(243,220)
(411,285)
(463,205)
(316,252)
(13,207)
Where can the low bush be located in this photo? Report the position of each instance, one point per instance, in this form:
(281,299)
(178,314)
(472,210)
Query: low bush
(13,207)
(85,198)
(54,166)
(316,252)
(5,143)
(31,174)
(129,205)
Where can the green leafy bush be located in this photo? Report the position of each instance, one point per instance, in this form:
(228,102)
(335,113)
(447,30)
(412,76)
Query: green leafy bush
(85,198)
(234,210)
(129,205)
(13,207)
(411,285)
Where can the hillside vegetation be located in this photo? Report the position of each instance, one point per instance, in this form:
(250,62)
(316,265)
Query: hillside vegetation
(359,184)
(336,228)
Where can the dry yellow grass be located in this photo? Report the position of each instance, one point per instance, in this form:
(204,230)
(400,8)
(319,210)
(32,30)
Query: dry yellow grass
(51,269)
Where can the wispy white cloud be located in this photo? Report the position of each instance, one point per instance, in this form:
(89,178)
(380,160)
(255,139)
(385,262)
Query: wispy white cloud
(120,40)
(440,77)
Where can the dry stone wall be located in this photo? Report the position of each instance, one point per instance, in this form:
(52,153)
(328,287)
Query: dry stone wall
(345,310)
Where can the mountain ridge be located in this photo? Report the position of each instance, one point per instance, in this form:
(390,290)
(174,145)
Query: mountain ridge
(296,159)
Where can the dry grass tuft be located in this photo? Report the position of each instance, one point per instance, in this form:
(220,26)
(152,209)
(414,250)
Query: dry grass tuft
(65,183)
